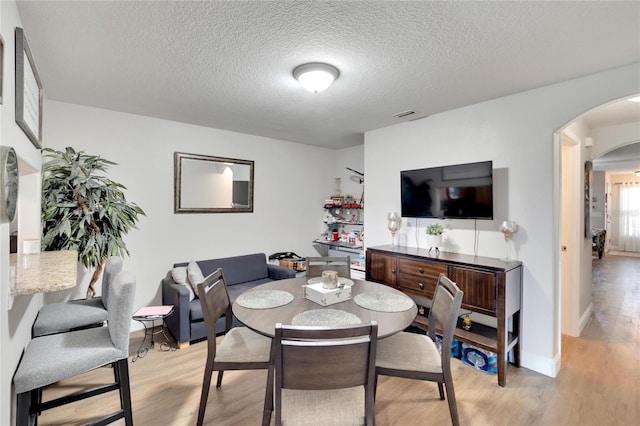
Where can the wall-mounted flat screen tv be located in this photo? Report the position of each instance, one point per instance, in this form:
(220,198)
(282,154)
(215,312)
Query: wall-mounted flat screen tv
(459,191)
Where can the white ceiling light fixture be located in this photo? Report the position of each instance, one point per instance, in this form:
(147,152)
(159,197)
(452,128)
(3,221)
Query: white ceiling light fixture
(315,77)
(636,99)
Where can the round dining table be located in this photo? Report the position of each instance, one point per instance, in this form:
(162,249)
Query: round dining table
(394,315)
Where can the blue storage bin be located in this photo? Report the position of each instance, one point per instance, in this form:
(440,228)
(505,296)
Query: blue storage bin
(455,346)
(480,359)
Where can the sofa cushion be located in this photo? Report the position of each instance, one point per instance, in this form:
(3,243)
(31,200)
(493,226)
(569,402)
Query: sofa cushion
(195,311)
(238,269)
(179,275)
(195,275)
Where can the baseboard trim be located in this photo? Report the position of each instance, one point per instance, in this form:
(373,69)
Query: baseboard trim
(584,318)
(543,365)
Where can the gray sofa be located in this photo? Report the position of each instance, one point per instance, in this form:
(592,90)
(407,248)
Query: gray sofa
(240,272)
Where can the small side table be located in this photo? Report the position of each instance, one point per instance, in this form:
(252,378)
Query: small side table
(147,316)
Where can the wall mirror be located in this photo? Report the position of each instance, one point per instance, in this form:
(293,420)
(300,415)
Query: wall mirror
(207,184)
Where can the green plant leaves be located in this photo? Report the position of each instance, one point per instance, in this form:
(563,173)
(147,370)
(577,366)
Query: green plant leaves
(434,229)
(82,209)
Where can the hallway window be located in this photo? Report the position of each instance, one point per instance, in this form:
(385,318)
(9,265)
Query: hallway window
(630,216)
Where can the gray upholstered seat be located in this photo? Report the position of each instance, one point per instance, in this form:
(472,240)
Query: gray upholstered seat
(49,359)
(77,314)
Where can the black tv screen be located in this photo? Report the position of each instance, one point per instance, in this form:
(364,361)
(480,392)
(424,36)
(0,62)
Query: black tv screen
(459,191)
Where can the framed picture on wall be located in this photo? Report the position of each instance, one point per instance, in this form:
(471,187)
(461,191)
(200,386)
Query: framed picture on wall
(1,66)
(588,175)
(28,91)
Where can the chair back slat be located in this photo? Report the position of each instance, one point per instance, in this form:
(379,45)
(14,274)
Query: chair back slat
(341,264)
(444,312)
(323,358)
(215,302)
(310,364)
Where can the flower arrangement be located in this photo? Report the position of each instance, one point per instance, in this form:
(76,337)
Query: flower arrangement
(434,229)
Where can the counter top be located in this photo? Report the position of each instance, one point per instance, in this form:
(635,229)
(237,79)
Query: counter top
(43,272)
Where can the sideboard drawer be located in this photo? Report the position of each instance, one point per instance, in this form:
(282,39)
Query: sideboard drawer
(427,270)
(425,287)
(419,277)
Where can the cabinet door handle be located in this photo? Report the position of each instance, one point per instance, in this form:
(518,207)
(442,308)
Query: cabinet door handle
(421,286)
(393,271)
(421,270)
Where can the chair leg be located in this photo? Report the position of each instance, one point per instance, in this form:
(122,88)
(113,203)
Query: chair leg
(121,373)
(206,383)
(36,400)
(219,381)
(441,390)
(23,410)
(451,397)
(375,385)
(268,397)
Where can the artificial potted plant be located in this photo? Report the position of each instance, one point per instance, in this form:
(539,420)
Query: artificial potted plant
(84,210)
(434,235)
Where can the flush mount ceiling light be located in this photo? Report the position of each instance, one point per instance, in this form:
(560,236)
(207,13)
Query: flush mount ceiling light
(636,99)
(315,77)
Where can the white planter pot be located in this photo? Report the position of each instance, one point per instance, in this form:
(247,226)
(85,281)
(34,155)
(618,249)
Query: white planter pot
(434,241)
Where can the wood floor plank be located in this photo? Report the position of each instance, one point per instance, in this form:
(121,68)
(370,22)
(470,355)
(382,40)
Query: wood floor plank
(597,385)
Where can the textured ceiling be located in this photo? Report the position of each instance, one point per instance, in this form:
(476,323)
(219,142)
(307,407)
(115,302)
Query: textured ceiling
(228,64)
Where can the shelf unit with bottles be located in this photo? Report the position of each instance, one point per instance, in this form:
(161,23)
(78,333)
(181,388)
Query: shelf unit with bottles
(345,218)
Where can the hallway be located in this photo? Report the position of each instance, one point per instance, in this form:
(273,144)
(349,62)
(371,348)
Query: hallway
(601,369)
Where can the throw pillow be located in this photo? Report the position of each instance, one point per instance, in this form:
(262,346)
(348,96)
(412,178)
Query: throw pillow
(195,275)
(179,275)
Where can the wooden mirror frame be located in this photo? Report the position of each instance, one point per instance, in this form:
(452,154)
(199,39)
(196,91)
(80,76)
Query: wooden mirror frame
(179,202)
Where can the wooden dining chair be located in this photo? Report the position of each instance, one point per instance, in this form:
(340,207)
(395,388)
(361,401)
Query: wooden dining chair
(324,375)
(341,264)
(239,349)
(416,356)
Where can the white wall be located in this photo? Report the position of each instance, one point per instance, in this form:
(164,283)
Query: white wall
(15,323)
(580,246)
(291,182)
(517,133)
(608,138)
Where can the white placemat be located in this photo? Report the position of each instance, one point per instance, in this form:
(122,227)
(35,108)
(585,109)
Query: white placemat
(325,317)
(384,302)
(264,299)
(344,281)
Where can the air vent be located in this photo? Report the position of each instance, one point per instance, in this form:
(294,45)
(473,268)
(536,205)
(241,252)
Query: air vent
(404,114)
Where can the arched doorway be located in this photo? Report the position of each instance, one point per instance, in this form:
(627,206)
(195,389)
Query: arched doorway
(590,135)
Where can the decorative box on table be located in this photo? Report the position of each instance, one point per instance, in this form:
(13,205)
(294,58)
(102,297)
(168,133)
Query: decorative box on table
(327,296)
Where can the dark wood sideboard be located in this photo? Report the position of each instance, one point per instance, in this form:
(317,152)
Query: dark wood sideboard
(491,287)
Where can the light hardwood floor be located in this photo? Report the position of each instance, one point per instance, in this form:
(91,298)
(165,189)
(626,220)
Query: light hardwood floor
(599,383)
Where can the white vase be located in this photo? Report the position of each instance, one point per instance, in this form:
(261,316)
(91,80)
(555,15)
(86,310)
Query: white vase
(434,241)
